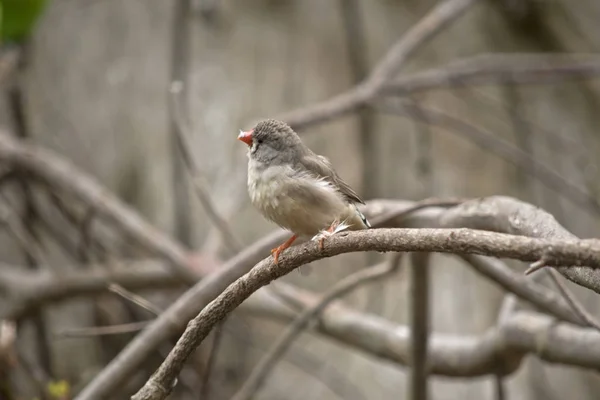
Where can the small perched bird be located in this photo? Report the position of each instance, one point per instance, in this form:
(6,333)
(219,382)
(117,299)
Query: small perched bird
(296,188)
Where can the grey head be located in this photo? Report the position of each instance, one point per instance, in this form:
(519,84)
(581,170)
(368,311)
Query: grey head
(273,142)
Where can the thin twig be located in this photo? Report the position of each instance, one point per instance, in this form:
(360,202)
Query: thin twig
(59,174)
(536,266)
(134,298)
(434,22)
(268,362)
(577,307)
(200,186)
(497,69)
(503,149)
(103,330)
(22,235)
(212,359)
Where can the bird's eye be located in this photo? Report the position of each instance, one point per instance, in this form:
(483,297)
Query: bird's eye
(259,141)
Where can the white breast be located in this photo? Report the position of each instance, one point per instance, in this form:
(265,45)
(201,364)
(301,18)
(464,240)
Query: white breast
(279,193)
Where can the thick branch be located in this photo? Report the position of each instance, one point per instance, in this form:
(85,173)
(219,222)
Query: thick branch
(459,356)
(462,241)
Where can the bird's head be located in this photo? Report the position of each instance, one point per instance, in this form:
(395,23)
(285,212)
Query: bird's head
(272,141)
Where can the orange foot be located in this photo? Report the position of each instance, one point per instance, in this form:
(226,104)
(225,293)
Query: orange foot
(276,251)
(329,230)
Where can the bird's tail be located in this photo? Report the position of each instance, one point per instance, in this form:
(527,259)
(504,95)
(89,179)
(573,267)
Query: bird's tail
(363,218)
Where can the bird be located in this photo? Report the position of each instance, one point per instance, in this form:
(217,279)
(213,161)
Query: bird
(295,188)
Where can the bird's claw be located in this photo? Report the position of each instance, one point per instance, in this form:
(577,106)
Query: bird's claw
(332,230)
(275,253)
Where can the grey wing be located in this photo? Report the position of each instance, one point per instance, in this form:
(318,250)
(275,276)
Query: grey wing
(321,167)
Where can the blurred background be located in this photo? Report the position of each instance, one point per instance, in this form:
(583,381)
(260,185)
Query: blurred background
(105,83)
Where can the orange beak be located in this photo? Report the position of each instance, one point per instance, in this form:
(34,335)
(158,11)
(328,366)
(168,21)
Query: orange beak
(246,137)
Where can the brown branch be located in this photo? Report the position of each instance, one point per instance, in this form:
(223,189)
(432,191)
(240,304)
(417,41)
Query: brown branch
(506,214)
(29,291)
(500,350)
(175,318)
(431,24)
(465,241)
(501,148)
(134,298)
(200,186)
(572,301)
(103,330)
(345,286)
(62,175)
(524,288)
(497,68)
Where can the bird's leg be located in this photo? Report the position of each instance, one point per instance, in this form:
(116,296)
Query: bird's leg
(276,251)
(329,231)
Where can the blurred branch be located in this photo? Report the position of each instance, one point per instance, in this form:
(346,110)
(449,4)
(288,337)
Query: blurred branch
(498,68)
(558,252)
(59,174)
(180,64)
(22,235)
(29,291)
(134,298)
(199,182)
(499,350)
(442,15)
(506,214)
(262,370)
(355,35)
(570,298)
(103,330)
(503,149)
(419,324)
(175,318)
(524,288)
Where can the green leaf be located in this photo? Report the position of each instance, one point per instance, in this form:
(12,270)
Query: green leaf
(19,18)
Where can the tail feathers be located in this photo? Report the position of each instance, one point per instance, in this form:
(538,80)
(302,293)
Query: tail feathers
(363,218)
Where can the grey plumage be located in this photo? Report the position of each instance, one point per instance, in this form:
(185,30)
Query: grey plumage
(294,187)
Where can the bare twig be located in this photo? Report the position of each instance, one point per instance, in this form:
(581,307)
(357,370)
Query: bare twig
(31,291)
(535,266)
(268,362)
(103,330)
(134,298)
(575,305)
(498,69)
(419,318)
(524,288)
(200,186)
(25,240)
(422,240)
(499,350)
(212,359)
(62,175)
(443,14)
(503,149)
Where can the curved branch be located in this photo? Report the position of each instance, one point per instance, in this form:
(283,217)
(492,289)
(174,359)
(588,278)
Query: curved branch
(266,364)
(462,241)
(499,350)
